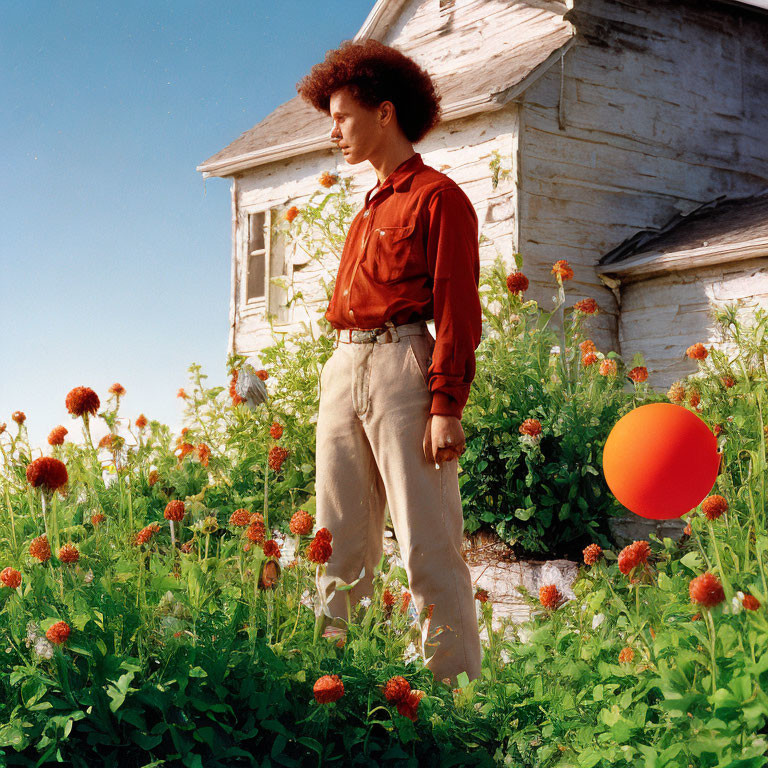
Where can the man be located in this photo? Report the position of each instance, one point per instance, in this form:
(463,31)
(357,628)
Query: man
(389,424)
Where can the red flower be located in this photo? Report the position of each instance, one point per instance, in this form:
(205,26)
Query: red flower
(97,518)
(262,374)
(396,689)
(549,596)
(592,554)
(706,590)
(638,374)
(405,598)
(117,389)
(409,706)
(40,548)
(587,346)
(19,417)
(69,554)
(301,523)
(517,282)
(236,399)
(56,437)
(694,398)
(607,367)
(632,555)
(530,427)
(240,518)
(291,213)
(716,430)
(276,430)
(277,455)
(676,393)
(319,551)
(589,358)
(174,510)
(323,533)
(10,577)
(728,381)
(141,421)
(697,351)
(587,306)
(271,549)
(146,533)
(47,472)
(256,531)
(562,270)
(184,449)
(714,506)
(328,688)
(82,400)
(58,632)
(750,602)
(388,599)
(626,655)
(481,595)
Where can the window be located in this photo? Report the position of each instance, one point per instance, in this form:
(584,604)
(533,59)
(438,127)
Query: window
(257,257)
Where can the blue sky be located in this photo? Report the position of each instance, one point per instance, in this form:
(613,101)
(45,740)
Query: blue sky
(114,252)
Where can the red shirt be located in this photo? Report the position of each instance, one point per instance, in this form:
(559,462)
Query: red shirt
(412,253)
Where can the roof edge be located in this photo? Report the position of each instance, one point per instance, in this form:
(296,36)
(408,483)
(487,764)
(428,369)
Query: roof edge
(653,263)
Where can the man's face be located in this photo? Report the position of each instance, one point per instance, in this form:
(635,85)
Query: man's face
(356,129)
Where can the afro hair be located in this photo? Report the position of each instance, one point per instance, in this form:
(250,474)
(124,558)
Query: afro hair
(374,73)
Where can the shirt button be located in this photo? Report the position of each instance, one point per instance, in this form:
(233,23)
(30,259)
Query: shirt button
(365,213)
(346,291)
(350,313)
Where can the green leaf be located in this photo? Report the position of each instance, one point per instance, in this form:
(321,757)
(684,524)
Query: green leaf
(692,561)
(197,672)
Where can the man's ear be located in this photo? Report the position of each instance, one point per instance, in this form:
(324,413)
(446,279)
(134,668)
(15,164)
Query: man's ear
(386,112)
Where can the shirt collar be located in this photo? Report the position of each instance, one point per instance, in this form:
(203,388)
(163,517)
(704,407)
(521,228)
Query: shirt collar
(401,176)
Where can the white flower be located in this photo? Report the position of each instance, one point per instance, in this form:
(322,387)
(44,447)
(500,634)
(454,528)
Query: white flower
(387,534)
(597,620)
(524,634)
(504,655)
(307,600)
(555,350)
(365,601)
(88,578)
(410,654)
(395,560)
(736,605)
(43,648)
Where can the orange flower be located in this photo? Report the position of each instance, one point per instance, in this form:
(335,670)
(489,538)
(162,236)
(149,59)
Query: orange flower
(676,393)
(697,351)
(276,431)
(181,393)
(328,688)
(3,425)
(626,655)
(236,399)
(728,381)
(396,689)
(301,523)
(608,367)
(10,577)
(562,270)
(291,213)
(184,449)
(203,453)
(68,554)
(56,437)
(750,602)
(530,427)
(47,472)
(706,590)
(586,306)
(240,518)
(549,596)
(40,548)
(517,282)
(688,531)
(387,598)
(633,555)
(714,506)
(589,358)
(174,510)
(638,374)
(82,400)
(694,398)
(328,179)
(481,595)
(19,417)
(277,455)
(256,531)
(323,533)
(58,632)
(146,533)
(97,518)
(117,389)
(319,551)
(106,441)
(405,598)
(592,554)
(141,421)
(409,706)
(587,346)
(154,476)
(262,374)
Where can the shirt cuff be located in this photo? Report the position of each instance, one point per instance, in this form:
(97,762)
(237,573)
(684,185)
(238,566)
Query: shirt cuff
(444,405)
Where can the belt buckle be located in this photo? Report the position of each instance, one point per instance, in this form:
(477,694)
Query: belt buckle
(393,335)
(364,336)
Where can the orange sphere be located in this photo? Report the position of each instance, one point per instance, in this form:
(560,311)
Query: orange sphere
(660,460)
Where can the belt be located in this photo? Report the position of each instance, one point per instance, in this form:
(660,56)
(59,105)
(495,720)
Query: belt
(384,335)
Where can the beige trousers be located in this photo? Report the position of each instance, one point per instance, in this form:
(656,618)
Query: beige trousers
(374,406)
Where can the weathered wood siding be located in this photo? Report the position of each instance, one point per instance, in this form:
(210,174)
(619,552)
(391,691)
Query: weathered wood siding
(664,315)
(462,149)
(663,106)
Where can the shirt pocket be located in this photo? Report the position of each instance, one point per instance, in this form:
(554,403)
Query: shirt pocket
(395,254)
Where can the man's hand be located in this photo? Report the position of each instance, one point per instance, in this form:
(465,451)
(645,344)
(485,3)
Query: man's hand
(443,439)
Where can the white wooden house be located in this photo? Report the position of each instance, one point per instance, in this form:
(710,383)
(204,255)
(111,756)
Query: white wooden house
(613,118)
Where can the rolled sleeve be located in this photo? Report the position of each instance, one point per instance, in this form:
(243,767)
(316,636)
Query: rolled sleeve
(453,259)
